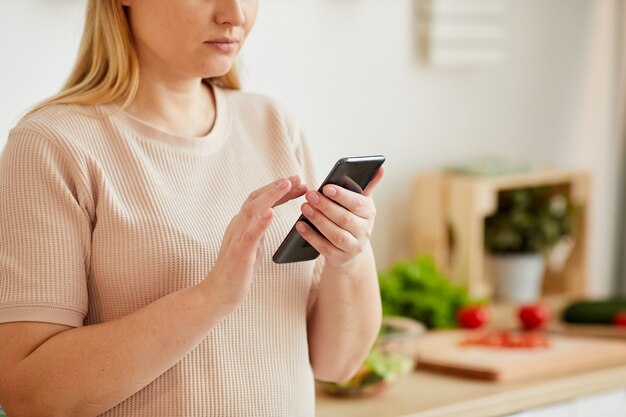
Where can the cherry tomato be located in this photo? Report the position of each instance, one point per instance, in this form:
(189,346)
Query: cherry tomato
(620,319)
(534,316)
(472,317)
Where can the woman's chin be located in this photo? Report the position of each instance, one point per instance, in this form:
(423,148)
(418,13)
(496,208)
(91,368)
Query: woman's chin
(206,67)
(216,70)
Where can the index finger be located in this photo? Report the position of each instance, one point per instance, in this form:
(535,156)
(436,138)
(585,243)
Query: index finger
(295,180)
(295,192)
(266,197)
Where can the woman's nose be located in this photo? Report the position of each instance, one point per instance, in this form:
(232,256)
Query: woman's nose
(230,12)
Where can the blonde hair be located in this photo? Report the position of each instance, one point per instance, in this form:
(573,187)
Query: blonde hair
(107,69)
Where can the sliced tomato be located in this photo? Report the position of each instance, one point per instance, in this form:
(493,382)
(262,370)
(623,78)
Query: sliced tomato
(506,339)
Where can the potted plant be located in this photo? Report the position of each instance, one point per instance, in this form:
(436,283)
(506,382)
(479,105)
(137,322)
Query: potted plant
(527,224)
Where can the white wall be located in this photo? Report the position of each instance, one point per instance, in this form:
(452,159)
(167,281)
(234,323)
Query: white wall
(38,43)
(348,70)
(595,139)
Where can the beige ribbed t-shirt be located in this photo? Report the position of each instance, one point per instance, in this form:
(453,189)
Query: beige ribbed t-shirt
(101,216)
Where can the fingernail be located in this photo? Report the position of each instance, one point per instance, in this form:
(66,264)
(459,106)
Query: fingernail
(312,196)
(331,191)
(282,183)
(294,179)
(300,228)
(308,210)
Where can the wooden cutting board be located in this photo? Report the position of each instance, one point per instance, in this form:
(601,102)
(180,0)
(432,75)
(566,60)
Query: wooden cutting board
(441,351)
(588,330)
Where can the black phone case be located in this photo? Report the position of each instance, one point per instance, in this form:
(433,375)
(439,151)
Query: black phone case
(352,173)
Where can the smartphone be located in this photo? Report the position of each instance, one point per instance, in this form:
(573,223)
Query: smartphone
(353,173)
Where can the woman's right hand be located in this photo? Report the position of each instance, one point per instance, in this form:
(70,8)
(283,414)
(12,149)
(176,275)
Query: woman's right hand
(242,249)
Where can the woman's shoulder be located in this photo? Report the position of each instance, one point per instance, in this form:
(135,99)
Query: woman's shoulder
(66,124)
(257,105)
(249,98)
(55,117)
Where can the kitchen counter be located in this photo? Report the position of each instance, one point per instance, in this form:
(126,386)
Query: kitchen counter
(429,394)
(426,394)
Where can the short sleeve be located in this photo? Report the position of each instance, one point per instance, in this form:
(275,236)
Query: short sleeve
(45,232)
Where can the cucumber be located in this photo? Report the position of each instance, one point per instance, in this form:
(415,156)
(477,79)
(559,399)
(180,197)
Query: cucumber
(594,312)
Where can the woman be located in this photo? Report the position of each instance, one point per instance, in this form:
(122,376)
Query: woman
(139,208)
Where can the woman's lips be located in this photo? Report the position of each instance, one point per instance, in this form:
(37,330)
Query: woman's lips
(223,45)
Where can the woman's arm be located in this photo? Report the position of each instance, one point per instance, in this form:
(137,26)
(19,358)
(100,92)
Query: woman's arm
(345,319)
(58,371)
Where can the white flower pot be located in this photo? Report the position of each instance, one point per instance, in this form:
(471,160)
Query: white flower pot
(517,277)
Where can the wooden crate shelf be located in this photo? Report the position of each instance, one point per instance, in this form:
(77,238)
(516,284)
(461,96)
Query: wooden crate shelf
(447,222)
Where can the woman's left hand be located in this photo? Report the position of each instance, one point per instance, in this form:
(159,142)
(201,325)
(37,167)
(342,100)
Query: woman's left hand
(344,218)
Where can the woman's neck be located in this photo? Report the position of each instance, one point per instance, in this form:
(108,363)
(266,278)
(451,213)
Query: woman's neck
(184,107)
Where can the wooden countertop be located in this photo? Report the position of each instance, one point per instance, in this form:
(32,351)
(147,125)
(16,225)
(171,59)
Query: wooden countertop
(425,394)
(429,394)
